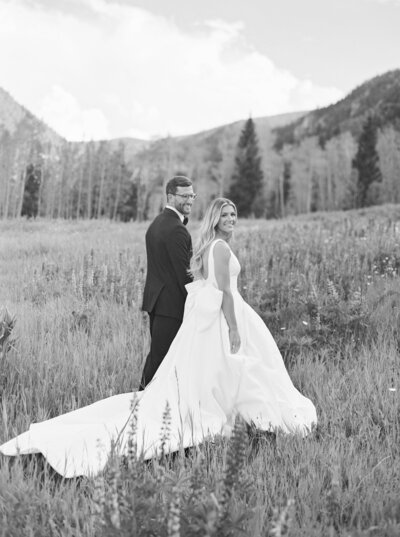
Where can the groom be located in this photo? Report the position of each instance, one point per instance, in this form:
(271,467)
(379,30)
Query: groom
(169,248)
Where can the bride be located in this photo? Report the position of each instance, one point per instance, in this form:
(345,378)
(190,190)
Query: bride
(223,362)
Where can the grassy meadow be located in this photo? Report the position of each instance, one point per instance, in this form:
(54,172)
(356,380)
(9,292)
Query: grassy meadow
(327,286)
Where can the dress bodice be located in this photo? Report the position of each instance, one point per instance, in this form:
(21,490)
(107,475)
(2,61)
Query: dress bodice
(234,267)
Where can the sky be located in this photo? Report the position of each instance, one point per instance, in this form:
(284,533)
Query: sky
(97,69)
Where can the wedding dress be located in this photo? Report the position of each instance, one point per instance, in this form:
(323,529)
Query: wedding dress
(205,385)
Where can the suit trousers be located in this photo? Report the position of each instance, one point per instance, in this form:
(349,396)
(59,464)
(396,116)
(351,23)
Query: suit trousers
(162,331)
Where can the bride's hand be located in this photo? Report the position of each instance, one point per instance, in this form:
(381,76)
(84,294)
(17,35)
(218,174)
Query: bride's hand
(234,340)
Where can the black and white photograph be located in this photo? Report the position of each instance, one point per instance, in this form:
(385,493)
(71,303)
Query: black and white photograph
(199,268)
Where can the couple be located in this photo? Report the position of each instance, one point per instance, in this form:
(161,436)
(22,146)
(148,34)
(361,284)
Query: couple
(222,361)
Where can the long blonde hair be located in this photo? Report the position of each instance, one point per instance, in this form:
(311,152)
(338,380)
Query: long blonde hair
(207,233)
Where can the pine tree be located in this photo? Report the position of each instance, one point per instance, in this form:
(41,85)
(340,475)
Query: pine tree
(127,209)
(286,181)
(30,201)
(247,179)
(366,162)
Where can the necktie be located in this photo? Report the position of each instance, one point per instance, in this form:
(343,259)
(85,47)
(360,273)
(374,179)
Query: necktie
(185,220)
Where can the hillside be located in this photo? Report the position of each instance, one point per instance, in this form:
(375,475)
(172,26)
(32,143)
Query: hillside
(262,123)
(306,159)
(207,156)
(379,96)
(16,122)
(185,144)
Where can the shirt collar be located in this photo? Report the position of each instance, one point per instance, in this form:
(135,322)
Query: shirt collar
(177,212)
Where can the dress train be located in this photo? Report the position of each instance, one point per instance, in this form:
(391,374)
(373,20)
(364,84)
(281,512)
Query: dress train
(204,384)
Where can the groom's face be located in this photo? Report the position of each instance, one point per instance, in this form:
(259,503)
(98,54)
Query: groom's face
(182,200)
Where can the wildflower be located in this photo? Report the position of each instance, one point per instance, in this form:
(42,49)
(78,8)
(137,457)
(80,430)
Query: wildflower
(165,429)
(112,495)
(7,323)
(174,514)
(333,499)
(282,520)
(99,498)
(90,278)
(332,290)
(235,458)
(73,280)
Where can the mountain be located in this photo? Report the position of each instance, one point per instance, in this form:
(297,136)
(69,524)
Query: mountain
(307,161)
(130,147)
(149,149)
(262,123)
(18,122)
(205,148)
(379,96)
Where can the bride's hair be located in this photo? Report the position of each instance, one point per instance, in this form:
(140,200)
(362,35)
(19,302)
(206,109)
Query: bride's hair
(207,233)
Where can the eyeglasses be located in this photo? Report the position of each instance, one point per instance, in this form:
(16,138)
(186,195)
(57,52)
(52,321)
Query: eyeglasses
(187,196)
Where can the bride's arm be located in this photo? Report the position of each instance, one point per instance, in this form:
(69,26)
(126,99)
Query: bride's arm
(221,264)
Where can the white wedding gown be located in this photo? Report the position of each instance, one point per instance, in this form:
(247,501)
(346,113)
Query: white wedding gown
(204,384)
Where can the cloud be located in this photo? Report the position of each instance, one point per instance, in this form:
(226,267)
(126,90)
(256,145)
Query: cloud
(98,67)
(394,2)
(62,110)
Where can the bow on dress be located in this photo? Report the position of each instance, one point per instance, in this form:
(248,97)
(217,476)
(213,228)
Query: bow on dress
(204,301)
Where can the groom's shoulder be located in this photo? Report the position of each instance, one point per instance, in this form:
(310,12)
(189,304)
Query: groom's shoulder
(166,220)
(158,221)
(164,224)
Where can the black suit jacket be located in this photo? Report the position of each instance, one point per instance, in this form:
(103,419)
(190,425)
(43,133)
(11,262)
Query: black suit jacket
(169,248)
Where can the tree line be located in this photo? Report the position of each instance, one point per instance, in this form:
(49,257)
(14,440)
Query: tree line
(67,180)
(98,180)
(305,177)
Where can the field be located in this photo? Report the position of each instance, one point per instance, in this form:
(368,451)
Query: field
(327,286)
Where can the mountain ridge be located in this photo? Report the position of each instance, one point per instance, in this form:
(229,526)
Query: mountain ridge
(13,115)
(379,96)
(306,160)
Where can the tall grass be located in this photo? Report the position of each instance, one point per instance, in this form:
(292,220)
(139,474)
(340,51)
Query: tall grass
(328,288)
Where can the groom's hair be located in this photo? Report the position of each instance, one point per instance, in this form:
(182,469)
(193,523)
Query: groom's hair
(175,182)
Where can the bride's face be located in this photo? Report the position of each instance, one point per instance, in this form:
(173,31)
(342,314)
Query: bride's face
(227,220)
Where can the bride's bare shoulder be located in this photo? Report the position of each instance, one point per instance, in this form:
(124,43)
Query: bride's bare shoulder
(221,250)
